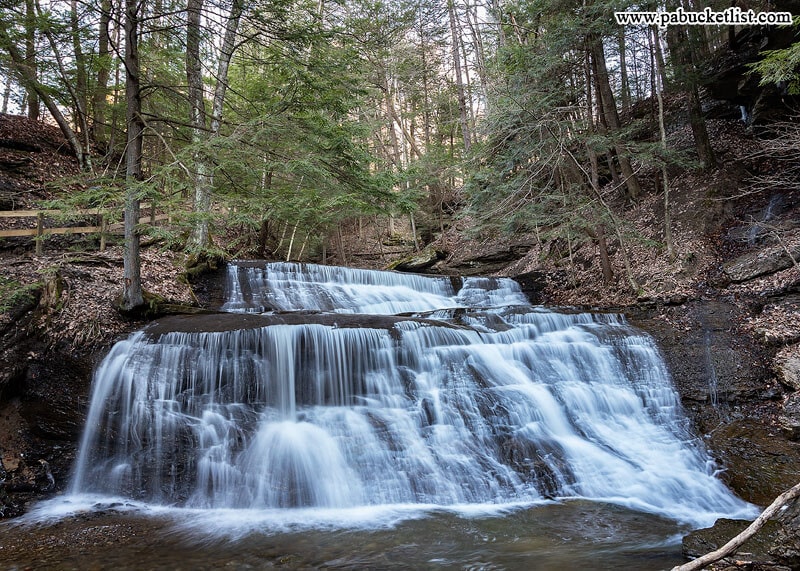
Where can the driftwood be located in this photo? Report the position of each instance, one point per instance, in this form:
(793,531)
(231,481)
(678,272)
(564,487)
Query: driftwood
(751,530)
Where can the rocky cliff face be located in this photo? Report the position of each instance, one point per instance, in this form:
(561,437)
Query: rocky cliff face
(733,90)
(43,397)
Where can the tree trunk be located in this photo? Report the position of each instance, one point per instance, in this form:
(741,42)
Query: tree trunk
(30,59)
(702,142)
(6,94)
(660,65)
(81,89)
(609,107)
(462,96)
(225,57)
(204,180)
(79,115)
(659,89)
(625,90)
(114,130)
(390,114)
(426,108)
(103,72)
(681,48)
(605,262)
(496,11)
(197,117)
(480,51)
(132,296)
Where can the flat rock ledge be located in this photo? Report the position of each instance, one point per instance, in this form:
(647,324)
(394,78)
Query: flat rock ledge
(760,263)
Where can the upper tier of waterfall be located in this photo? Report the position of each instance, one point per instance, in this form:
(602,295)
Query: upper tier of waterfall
(292,287)
(485,400)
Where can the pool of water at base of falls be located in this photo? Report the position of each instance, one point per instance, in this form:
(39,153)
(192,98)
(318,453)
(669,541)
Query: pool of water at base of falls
(554,536)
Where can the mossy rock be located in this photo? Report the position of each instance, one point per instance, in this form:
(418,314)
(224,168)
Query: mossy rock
(200,264)
(16,298)
(418,262)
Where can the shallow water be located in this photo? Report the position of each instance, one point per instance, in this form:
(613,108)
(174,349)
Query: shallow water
(556,536)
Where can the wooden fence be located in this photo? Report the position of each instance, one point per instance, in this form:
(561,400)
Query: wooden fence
(104,229)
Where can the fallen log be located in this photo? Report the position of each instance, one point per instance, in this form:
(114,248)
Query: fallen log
(749,532)
(20,146)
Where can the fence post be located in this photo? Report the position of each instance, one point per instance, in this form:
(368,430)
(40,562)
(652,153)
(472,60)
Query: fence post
(103,227)
(39,233)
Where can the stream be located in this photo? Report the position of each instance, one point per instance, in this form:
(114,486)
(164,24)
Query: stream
(352,419)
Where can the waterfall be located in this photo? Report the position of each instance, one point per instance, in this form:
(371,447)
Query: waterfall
(395,389)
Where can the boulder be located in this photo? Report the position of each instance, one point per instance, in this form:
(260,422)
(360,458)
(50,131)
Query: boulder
(787,366)
(790,419)
(702,541)
(760,263)
(786,547)
(491,260)
(418,262)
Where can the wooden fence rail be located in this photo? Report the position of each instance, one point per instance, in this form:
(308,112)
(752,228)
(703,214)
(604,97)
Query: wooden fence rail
(103,229)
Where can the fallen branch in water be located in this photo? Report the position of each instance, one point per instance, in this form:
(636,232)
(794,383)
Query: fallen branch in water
(751,530)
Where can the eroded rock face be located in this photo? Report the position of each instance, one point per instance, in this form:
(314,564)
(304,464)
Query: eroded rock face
(787,366)
(728,388)
(786,547)
(790,419)
(713,366)
(491,260)
(419,262)
(729,76)
(729,392)
(43,397)
(41,423)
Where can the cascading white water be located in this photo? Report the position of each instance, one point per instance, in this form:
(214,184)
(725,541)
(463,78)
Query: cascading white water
(486,401)
(290,287)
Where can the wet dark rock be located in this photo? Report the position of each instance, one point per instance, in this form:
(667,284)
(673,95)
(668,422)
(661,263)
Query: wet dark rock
(533,284)
(775,547)
(215,322)
(729,76)
(702,541)
(43,396)
(209,287)
(710,363)
(790,419)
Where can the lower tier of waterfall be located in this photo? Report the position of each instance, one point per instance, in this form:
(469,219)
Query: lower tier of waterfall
(487,407)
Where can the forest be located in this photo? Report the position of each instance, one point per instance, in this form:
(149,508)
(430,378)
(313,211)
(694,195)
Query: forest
(276,128)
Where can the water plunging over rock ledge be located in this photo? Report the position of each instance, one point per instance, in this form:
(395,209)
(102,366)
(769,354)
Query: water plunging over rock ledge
(485,401)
